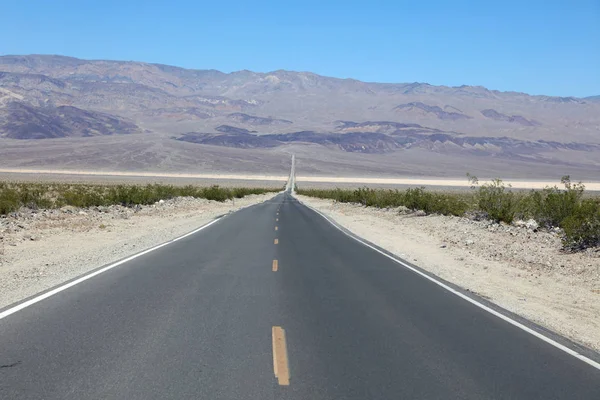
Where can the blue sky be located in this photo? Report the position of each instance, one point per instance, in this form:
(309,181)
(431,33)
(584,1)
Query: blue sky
(539,47)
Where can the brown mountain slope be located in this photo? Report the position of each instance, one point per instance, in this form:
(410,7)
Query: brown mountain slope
(54,96)
(23,121)
(309,101)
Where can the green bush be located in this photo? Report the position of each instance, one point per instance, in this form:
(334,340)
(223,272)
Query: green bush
(37,195)
(414,199)
(81,196)
(216,193)
(578,217)
(9,200)
(551,206)
(497,201)
(582,227)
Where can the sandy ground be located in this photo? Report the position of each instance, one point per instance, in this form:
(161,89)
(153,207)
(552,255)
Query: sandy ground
(136,180)
(436,182)
(237,177)
(40,249)
(517,268)
(267,180)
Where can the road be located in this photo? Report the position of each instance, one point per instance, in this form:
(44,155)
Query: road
(274,289)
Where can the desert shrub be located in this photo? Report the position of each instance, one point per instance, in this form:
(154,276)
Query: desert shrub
(568,208)
(81,196)
(239,192)
(582,226)
(550,206)
(414,199)
(435,203)
(37,195)
(9,200)
(216,193)
(498,201)
(14,196)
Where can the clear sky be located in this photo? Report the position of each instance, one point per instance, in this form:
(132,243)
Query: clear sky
(539,47)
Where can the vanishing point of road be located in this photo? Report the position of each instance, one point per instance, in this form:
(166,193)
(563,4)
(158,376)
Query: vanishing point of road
(273,302)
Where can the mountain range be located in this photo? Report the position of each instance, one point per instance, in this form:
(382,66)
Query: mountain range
(62,99)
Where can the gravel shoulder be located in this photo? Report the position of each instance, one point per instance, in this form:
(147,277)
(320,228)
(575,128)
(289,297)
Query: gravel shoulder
(518,268)
(43,248)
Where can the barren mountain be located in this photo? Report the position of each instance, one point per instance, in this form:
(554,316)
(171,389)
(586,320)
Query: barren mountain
(55,96)
(517,119)
(23,121)
(254,120)
(435,110)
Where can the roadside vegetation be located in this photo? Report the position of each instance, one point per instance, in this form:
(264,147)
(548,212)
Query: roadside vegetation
(42,195)
(574,212)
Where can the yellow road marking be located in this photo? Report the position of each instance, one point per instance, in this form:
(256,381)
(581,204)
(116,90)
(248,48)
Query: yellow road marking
(276,228)
(276,241)
(280,358)
(275,266)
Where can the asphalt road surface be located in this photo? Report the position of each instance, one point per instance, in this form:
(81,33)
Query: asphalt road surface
(273,302)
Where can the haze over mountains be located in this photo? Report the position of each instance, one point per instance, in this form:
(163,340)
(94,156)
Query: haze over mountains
(180,119)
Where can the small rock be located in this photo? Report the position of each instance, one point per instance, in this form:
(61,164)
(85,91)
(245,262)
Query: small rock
(82,213)
(402,210)
(469,242)
(419,213)
(520,223)
(532,224)
(68,209)
(443,246)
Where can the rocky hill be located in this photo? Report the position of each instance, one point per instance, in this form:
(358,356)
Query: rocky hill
(44,97)
(23,121)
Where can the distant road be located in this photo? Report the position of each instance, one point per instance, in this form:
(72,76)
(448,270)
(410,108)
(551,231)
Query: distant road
(306,180)
(274,302)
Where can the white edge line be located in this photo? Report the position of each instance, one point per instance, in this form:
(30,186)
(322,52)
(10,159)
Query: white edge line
(59,289)
(469,299)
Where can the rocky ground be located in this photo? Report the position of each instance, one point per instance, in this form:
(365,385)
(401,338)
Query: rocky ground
(518,267)
(42,248)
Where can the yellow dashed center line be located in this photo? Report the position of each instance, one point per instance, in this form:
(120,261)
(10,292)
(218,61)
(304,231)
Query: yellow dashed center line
(276,241)
(280,358)
(275,266)
(276,228)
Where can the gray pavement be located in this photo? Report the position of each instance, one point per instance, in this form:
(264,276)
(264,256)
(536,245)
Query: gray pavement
(194,319)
